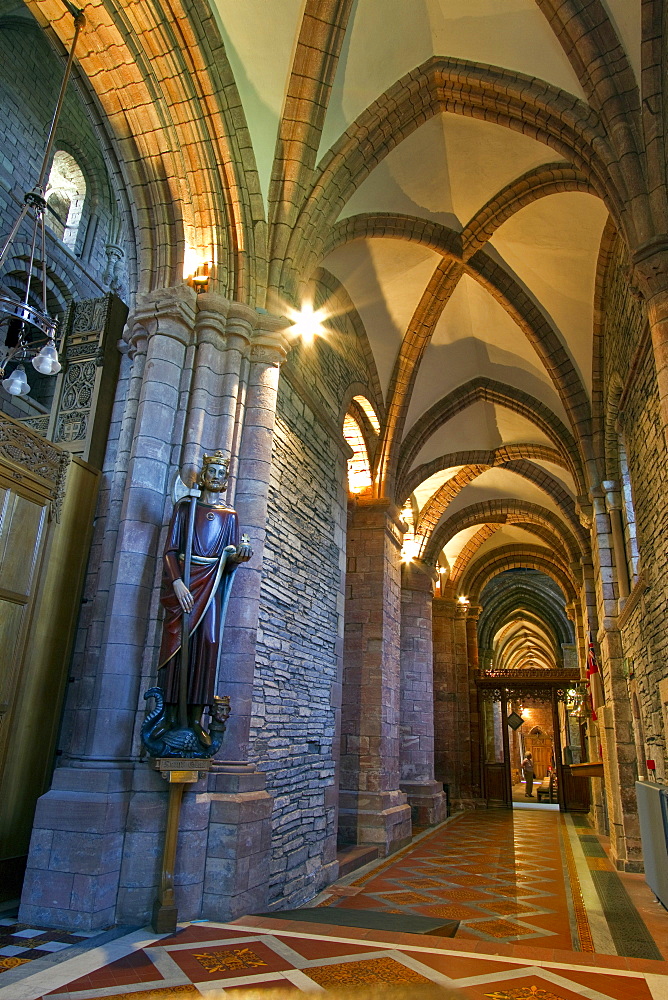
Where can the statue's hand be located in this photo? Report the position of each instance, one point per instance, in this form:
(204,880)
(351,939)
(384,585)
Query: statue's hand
(183,596)
(244,553)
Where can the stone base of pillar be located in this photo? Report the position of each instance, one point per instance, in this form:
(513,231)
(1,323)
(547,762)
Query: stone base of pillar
(379,818)
(96,849)
(636,867)
(459,804)
(236,878)
(144,841)
(427,800)
(74,862)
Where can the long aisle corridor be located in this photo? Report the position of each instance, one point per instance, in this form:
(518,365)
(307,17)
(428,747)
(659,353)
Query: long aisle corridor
(543,917)
(529,875)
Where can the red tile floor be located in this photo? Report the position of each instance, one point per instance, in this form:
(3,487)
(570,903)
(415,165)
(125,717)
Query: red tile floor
(544,917)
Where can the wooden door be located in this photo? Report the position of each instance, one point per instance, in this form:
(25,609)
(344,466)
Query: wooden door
(46,514)
(540,747)
(494,753)
(22,537)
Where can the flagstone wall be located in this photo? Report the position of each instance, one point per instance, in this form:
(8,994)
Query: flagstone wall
(297,692)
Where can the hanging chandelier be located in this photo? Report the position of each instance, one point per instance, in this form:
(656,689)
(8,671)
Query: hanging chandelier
(21,317)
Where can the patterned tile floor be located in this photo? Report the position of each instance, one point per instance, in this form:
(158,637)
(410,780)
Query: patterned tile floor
(256,954)
(538,923)
(528,875)
(21,943)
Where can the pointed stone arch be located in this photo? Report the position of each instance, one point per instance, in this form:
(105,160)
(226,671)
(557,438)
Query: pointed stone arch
(517,557)
(500,512)
(490,391)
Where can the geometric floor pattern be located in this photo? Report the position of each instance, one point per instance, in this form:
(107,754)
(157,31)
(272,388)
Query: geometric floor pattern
(21,943)
(211,961)
(521,875)
(543,917)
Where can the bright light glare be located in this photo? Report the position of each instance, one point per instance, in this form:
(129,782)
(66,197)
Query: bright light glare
(463,600)
(307,324)
(411,550)
(192,261)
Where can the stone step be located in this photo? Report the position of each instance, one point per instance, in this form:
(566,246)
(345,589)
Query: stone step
(379,920)
(355,856)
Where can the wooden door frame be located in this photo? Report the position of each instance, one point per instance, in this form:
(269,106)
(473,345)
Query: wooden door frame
(558,755)
(548,689)
(505,742)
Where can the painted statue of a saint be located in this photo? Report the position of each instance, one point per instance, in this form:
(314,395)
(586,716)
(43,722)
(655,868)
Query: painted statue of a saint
(215,555)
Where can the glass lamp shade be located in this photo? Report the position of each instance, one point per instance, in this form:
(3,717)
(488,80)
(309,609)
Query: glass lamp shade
(17,383)
(46,362)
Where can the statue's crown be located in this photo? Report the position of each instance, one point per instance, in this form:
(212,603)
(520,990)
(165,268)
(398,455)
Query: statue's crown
(218,458)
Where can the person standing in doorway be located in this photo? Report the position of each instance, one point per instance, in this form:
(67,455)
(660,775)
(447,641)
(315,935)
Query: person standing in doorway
(528,774)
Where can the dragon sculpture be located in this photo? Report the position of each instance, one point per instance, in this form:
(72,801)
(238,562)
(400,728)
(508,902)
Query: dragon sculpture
(182,741)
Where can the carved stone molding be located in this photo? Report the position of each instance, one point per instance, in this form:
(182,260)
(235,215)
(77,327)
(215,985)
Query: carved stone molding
(650,264)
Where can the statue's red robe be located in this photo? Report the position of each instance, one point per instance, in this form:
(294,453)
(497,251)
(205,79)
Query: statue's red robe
(210,581)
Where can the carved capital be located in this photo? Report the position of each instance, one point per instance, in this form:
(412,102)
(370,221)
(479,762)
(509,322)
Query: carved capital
(613,496)
(585,512)
(417,575)
(242,324)
(211,320)
(270,344)
(169,312)
(650,266)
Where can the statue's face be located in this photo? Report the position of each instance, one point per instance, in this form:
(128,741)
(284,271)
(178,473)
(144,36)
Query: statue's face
(214,478)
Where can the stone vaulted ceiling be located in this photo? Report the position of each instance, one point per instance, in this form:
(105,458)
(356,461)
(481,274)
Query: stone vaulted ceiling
(514,323)
(509,315)
(456,165)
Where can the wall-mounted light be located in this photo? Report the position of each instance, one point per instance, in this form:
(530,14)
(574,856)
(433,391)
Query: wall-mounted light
(463,600)
(200,279)
(410,551)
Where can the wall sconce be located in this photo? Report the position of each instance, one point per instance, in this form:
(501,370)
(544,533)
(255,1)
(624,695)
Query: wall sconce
(200,279)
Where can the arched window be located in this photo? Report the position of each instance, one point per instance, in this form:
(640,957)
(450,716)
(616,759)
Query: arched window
(628,515)
(65,196)
(359,469)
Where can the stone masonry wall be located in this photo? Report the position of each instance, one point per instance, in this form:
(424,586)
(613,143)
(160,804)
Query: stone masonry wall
(25,113)
(296,704)
(643,633)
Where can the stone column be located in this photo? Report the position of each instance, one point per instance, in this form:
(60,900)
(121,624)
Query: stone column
(462,688)
(613,502)
(445,718)
(239,837)
(473,614)
(650,262)
(452,709)
(97,843)
(74,867)
(267,352)
(373,809)
(416,749)
(223,331)
(615,724)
